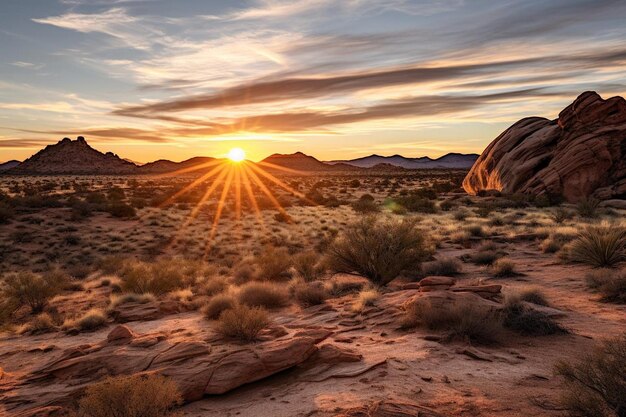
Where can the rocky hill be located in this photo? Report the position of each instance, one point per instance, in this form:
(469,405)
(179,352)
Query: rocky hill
(164,165)
(580,154)
(73,157)
(300,162)
(9,164)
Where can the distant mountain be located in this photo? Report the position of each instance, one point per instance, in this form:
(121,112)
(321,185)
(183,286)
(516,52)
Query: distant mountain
(164,165)
(9,164)
(73,157)
(301,162)
(450,160)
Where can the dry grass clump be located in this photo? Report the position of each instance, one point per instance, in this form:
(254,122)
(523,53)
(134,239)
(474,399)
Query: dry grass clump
(599,246)
(156,278)
(379,250)
(117,300)
(217,305)
(263,294)
(588,207)
(503,268)
(213,286)
(444,266)
(273,264)
(609,283)
(366,298)
(522,319)
(595,386)
(560,215)
(463,320)
(532,295)
(485,257)
(309,294)
(308,266)
(91,320)
(243,322)
(111,265)
(32,290)
(130,396)
(41,323)
(340,286)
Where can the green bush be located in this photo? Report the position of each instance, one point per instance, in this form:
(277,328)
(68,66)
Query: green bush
(599,246)
(379,250)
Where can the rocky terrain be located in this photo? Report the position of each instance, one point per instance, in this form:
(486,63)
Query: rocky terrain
(450,160)
(579,155)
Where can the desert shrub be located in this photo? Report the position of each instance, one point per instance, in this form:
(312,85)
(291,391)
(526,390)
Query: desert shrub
(559,215)
(365,205)
(443,266)
(273,263)
(599,246)
(475,230)
(309,293)
(308,266)
(263,294)
(595,385)
(130,396)
(213,286)
(379,250)
(417,204)
(610,284)
(366,298)
(118,300)
(588,207)
(340,286)
(503,268)
(461,214)
(243,322)
(121,210)
(243,273)
(463,320)
(32,290)
(41,323)
(522,319)
(532,295)
(217,305)
(484,257)
(159,278)
(446,205)
(111,264)
(91,320)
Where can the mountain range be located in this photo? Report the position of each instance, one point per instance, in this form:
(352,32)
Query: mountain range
(77,157)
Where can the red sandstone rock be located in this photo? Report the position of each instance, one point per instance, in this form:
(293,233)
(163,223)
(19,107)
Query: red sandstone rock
(580,154)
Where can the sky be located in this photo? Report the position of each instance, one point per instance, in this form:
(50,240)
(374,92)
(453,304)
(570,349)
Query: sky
(337,79)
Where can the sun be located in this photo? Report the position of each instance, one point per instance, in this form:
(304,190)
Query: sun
(236,155)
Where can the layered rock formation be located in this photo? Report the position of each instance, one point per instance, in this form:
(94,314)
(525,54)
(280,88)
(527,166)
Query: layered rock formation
(578,155)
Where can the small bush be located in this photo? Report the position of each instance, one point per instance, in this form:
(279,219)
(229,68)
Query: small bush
(34,291)
(503,268)
(463,320)
(159,278)
(243,322)
(365,205)
(213,286)
(41,323)
(310,294)
(273,263)
(588,207)
(121,210)
(217,305)
(559,215)
(595,386)
(528,321)
(533,295)
(610,284)
(484,257)
(379,250)
(599,246)
(91,320)
(308,266)
(130,396)
(263,294)
(417,204)
(119,300)
(366,298)
(443,266)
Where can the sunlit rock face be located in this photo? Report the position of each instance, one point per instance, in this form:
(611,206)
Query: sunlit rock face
(578,155)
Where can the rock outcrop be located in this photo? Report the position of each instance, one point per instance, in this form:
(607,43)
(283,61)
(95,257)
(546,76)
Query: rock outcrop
(579,155)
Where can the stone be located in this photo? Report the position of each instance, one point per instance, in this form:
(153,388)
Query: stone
(579,155)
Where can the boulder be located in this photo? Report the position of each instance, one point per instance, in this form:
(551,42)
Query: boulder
(578,155)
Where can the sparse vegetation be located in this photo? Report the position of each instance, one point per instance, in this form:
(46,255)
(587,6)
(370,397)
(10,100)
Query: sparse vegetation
(443,266)
(32,290)
(609,283)
(263,294)
(217,305)
(503,268)
(130,396)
